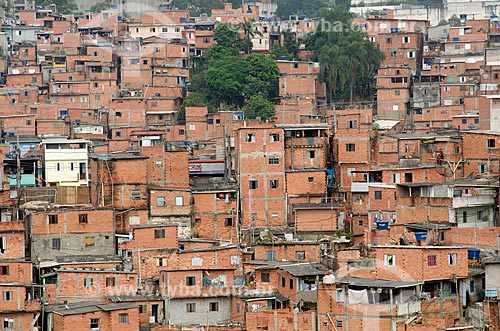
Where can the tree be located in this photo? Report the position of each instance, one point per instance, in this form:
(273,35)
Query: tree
(227,40)
(226,80)
(454,21)
(333,71)
(291,44)
(346,56)
(258,106)
(62,6)
(308,8)
(101,6)
(279,51)
(249,32)
(263,76)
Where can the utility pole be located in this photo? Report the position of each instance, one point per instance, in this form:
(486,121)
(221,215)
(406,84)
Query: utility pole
(18,174)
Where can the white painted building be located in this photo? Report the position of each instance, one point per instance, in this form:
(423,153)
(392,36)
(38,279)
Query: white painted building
(65,161)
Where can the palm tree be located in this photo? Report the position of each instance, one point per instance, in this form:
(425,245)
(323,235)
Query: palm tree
(356,63)
(249,32)
(333,69)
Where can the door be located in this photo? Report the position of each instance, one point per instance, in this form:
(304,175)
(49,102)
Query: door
(154,312)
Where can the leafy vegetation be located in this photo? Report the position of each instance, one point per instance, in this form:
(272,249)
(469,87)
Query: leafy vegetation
(309,8)
(348,60)
(62,6)
(197,7)
(100,6)
(226,80)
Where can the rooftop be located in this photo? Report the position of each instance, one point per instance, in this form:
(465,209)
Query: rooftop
(87,307)
(373,282)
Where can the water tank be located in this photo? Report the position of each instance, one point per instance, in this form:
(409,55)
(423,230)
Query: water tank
(329,279)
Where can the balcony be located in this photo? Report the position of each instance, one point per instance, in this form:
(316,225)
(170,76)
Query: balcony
(26,180)
(473,201)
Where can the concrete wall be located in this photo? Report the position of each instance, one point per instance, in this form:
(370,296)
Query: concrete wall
(178,314)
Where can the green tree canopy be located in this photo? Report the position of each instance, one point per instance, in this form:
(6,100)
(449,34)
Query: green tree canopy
(309,8)
(347,58)
(62,6)
(258,106)
(226,80)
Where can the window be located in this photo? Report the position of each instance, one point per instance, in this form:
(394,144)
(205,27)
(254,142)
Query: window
(300,255)
(481,168)
(338,324)
(53,219)
(360,223)
(56,243)
(464,121)
(271,255)
(352,124)
(274,160)
(159,233)
(410,55)
(291,284)
(191,307)
(397,92)
(118,134)
(457,46)
(213,306)
(196,261)
(88,282)
(350,147)
(431,260)
(179,201)
(406,40)
(94,323)
(234,259)
(452,258)
(283,282)
(160,202)
(4,270)
(82,218)
(136,194)
(89,241)
(408,177)
(472,286)
(311,154)
(464,217)
(491,143)
(378,195)
(250,138)
(253,184)
(265,277)
(110,281)
(476,121)
(59,166)
(190,281)
(228,221)
(274,183)
(161,261)
(123,318)
(388,40)
(389,260)
(181,132)
(7,295)
(394,54)
(8,324)
(310,179)
(274,137)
